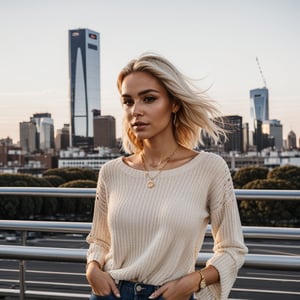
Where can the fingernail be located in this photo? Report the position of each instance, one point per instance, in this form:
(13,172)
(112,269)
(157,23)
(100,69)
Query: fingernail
(118,295)
(151,296)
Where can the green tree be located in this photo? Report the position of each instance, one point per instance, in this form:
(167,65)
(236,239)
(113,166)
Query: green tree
(247,174)
(78,206)
(288,172)
(269,212)
(21,207)
(70,174)
(54,180)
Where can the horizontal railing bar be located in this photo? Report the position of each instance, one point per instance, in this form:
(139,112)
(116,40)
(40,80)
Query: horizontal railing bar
(49,192)
(261,261)
(44,295)
(85,227)
(241,194)
(43,253)
(46,226)
(79,255)
(278,233)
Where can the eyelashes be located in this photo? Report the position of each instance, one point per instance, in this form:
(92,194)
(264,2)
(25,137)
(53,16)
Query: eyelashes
(146,99)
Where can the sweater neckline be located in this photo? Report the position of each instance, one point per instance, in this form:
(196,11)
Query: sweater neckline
(174,171)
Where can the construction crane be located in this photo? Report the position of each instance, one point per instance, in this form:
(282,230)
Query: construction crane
(261,72)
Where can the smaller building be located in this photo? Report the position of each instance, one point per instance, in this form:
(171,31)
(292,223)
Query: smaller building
(11,156)
(78,158)
(234,127)
(38,133)
(280,158)
(28,136)
(104,131)
(273,129)
(292,140)
(62,138)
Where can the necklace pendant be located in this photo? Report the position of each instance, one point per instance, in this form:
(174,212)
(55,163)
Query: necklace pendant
(150,184)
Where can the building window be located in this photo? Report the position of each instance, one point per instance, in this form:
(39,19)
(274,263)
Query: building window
(91,46)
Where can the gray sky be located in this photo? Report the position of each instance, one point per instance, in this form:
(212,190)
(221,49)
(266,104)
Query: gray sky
(216,41)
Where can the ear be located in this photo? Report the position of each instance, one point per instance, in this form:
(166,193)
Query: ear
(175,107)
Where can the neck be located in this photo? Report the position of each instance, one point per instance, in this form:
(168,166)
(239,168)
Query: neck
(155,158)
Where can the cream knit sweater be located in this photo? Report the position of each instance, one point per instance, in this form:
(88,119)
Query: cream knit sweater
(154,235)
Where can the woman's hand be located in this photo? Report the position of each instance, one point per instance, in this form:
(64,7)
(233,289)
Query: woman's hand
(101,282)
(179,289)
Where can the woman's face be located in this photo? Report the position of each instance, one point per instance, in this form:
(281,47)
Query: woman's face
(147,106)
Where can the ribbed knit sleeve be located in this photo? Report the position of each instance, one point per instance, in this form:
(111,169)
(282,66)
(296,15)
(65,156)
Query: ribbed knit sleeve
(99,237)
(229,249)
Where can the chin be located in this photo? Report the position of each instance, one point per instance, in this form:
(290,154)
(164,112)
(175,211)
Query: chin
(142,136)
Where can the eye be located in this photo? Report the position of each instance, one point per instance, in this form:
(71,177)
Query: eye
(149,99)
(128,101)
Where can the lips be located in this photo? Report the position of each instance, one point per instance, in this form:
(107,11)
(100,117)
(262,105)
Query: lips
(139,125)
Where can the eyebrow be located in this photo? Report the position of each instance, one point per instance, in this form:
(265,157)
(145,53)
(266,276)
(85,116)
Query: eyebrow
(142,92)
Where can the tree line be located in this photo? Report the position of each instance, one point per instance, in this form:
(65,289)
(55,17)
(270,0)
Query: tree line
(253,212)
(49,208)
(260,212)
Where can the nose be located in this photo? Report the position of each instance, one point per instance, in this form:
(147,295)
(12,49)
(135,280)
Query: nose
(137,110)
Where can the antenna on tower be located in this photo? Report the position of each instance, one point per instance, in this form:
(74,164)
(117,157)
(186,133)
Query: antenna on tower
(261,72)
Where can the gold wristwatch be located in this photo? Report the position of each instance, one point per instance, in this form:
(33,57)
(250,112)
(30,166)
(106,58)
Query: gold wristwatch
(202,283)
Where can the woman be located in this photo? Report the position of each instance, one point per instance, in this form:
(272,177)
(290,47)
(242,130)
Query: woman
(152,207)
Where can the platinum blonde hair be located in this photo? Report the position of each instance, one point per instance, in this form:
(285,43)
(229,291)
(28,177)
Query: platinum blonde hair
(196,111)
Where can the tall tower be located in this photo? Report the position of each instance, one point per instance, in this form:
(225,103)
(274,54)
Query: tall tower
(259,104)
(84,72)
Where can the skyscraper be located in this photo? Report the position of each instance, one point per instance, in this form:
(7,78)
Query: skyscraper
(259,105)
(45,130)
(28,136)
(84,72)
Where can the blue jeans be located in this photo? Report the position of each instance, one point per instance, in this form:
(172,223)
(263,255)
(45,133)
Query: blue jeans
(131,291)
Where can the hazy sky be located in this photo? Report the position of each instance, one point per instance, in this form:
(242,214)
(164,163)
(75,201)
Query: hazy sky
(216,41)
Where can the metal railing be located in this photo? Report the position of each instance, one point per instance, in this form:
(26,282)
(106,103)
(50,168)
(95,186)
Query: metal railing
(25,252)
(241,194)
(79,255)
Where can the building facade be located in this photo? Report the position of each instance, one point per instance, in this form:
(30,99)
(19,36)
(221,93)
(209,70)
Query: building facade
(37,134)
(45,130)
(259,105)
(28,136)
(234,127)
(62,138)
(84,73)
(273,129)
(46,134)
(292,140)
(105,131)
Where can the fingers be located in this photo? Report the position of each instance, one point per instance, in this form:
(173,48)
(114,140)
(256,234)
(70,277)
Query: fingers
(115,290)
(102,283)
(158,293)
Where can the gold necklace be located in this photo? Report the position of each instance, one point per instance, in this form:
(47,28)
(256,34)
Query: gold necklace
(150,179)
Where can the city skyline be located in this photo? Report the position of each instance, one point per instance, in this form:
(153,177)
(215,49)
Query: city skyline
(216,42)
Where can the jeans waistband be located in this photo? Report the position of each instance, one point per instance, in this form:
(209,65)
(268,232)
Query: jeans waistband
(138,288)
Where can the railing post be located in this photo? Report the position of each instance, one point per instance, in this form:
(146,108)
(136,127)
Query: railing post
(22,268)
